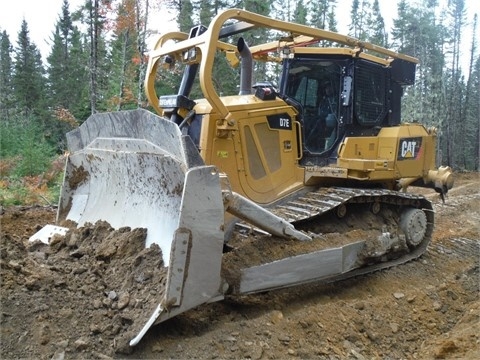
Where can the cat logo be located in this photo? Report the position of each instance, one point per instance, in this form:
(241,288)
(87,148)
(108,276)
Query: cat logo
(409,148)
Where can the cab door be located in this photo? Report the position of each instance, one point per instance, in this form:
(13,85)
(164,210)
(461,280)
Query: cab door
(267,152)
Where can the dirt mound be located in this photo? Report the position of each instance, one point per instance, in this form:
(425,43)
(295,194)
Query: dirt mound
(89,292)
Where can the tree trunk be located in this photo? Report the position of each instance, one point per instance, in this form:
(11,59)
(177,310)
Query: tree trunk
(94,33)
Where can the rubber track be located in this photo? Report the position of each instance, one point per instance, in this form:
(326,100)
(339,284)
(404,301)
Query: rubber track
(312,205)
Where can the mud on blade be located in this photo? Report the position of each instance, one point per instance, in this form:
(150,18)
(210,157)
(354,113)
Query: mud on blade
(127,168)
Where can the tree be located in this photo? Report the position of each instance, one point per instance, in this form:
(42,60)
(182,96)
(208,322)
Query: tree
(319,13)
(142,12)
(378,34)
(366,23)
(66,71)
(332,22)
(28,81)
(124,72)
(470,150)
(455,125)
(300,13)
(355,16)
(283,10)
(100,65)
(6,68)
(474,110)
(184,9)
(93,14)
(206,11)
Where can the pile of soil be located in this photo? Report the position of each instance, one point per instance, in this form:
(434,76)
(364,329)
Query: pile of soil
(88,293)
(93,288)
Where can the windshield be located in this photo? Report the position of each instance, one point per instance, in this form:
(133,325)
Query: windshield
(316,85)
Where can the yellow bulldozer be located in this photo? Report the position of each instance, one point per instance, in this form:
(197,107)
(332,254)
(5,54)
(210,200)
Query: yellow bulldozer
(293,160)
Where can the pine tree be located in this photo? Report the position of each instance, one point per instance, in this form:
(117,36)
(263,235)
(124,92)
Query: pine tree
(28,79)
(319,11)
(6,68)
(378,34)
(261,70)
(474,110)
(92,14)
(67,75)
(331,20)
(455,125)
(472,105)
(184,9)
(361,20)
(355,16)
(206,11)
(300,13)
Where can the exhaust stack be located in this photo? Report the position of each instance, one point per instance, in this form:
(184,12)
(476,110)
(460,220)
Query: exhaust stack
(246,68)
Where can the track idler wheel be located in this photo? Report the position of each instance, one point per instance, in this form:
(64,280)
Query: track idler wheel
(413,223)
(341,211)
(375,207)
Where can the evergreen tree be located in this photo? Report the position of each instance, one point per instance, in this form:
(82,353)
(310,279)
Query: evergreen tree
(377,25)
(206,11)
(185,18)
(67,75)
(332,22)
(283,10)
(474,110)
(261,71)
(300,13)
(361,20)
(184,9)
(472,106)
(258,6)
(323,17)
(93,15)
(6,68)
(28,78)
(455,124)
(355,16)
(319,11)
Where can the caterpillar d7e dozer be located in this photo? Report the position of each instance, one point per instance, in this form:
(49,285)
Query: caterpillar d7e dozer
(323,149)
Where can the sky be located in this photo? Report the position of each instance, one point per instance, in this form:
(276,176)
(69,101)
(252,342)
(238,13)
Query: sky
(41,16)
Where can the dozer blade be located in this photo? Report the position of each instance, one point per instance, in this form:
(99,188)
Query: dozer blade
(135,169)
(127,168)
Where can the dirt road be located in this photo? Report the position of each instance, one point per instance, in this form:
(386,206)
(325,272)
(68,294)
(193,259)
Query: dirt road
(73,300)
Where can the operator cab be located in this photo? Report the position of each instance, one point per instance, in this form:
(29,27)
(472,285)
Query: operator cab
(339,96)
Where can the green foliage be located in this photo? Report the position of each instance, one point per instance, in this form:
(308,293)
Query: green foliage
(95,64)
(185,20)
(6,66)
(16,193)
(26,143)
(28,81)
(25,164)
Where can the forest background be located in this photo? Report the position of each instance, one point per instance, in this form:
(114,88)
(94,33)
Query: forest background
(98,58)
